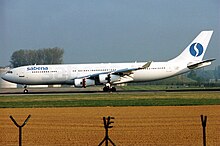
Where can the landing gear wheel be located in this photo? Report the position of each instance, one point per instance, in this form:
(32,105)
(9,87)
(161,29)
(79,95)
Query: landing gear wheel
(25,91)
(106,89)
(109,89)
(113,89)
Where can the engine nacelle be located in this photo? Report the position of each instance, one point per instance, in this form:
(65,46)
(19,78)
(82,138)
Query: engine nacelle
(105,78)
(83,82)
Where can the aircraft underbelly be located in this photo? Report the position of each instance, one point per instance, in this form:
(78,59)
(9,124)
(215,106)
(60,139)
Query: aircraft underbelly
(147,75)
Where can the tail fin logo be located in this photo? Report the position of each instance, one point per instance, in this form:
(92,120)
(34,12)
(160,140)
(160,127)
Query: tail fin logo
(196,49)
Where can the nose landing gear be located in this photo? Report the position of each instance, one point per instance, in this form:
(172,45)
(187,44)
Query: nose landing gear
(25,89)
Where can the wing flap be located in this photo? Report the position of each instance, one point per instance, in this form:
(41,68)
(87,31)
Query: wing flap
(124,79)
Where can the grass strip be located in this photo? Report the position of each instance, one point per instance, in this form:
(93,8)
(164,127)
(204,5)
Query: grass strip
(98,100)
(110,102)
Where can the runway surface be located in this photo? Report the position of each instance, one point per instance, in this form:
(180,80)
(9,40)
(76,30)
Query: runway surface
(89,90)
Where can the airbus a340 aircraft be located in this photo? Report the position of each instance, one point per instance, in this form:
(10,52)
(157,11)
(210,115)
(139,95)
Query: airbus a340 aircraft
(109,74)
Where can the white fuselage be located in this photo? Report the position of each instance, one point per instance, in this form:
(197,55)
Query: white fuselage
(65,74)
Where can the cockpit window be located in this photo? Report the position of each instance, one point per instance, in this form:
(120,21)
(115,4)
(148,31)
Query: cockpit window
(9,72)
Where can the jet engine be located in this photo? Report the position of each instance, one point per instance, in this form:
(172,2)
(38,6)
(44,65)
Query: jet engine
(83,82)
(108,78)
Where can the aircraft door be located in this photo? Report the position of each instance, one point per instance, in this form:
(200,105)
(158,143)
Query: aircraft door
(168,69)
(21,74)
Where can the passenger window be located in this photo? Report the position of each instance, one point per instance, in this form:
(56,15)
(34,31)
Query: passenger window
(9,72)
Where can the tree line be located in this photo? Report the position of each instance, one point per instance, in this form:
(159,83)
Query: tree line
(37,56)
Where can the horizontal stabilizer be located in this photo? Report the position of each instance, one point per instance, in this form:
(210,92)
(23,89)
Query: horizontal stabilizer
(200,64)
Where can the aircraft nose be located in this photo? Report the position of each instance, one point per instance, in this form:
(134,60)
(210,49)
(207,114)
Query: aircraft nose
(4,77)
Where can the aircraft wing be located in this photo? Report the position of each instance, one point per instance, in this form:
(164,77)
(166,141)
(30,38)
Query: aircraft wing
(121,72)
(129,70)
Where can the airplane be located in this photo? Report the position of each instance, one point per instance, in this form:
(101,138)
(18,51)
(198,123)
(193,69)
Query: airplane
(110,74)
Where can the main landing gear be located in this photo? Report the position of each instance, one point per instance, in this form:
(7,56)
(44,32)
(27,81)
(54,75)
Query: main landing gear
(25,89)
(109,88)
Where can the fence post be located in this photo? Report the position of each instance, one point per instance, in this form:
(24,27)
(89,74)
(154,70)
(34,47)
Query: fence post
(107,123)
(20,128)
(204,120)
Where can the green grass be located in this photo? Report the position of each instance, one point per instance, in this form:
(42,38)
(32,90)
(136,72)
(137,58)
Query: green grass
(98,100)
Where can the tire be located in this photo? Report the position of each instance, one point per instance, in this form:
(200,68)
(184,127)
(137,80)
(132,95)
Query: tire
(25,91)
(113,89)
(106,89)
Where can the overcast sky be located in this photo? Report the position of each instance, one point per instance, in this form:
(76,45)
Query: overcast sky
(108,30)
